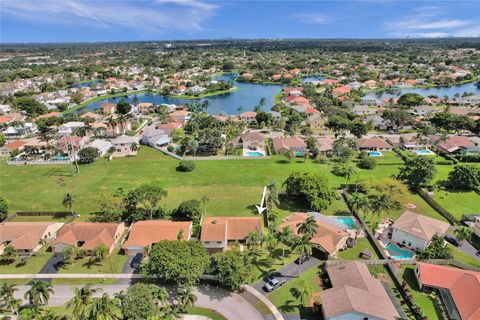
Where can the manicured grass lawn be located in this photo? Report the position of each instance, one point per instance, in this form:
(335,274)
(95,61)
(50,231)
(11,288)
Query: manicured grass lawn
(285,298)
(113,264)
(388,157)
(458,203)
(212,314)
(421,299)
(354,253)
(263,266)
(233,186)
(33,265)
(463,257)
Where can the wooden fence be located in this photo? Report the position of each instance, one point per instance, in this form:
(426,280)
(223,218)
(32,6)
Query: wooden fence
(435,205)
(56,214)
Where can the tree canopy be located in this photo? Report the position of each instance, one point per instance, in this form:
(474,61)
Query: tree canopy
(313,188)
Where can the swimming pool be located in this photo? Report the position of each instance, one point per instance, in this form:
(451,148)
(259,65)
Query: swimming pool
(424,152)
(348,221)
(255,154)
(398,253)
(375,154)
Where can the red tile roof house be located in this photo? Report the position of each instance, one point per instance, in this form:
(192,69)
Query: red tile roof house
(356,294)
(459,290)
(168,127)
(11,146)
(253,141)
(124,146)
(374,144)
(248,116)
(298,100)
(144,234)
(341,91)
(293,91)
(415,231)
(88,235)
(25,236)
(283,145)
(218,232)
(108,108)
(179,116)
(328,239)
(454,144)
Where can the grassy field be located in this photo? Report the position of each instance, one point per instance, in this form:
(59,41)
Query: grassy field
(463,257)
(421,299)
(458,203)
(354,253)
(286,299)
(212,314)
(264,266)
(33,265)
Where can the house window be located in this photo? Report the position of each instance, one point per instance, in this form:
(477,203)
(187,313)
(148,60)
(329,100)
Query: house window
(207,242)
(219,242)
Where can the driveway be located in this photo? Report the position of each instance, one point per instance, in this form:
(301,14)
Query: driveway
(231,305)
(53,264)
(469,249)
(127,269)
(288,273)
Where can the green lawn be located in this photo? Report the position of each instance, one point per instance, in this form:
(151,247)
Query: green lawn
(285,298)
(263,266)
(34,265)
(463,257)
(423,300)
(458,203)
(113,264)
(354,253)
(212,314)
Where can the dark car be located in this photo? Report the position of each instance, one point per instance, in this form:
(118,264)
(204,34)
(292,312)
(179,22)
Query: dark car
(272,284)
(302,259)
(452,239)
(136,261)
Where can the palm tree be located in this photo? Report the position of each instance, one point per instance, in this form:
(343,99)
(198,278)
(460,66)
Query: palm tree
(272,196)
(104,308)
(463,233)
(68,202)
(309,227)
(134,147)
(7,298)
(204,199)
(68,253)
(9,253)
(50,315)
(305,291)
(348,172)
(303,247)
(80,131)
(380,203)
(284,237)
(254,238)
(100,253)
(359,202)
(39,293)
(290,155)
(187,297)
(79,302)
(162,297)
(112,122)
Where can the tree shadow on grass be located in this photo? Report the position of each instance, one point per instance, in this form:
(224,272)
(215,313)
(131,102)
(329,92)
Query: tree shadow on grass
(342,213)
(58,172)
(289,306)
(282,161)
(289,204)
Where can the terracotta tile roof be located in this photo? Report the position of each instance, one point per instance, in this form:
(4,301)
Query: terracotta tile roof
(16,144)
(456,141)
(280,144)
(24,235)
(170,125)
(255,136)
(92,233)
(236,228)
(374,142)
(419,225)
(355,290)
(464,286)
(145,233)
(327,236)
(248,114)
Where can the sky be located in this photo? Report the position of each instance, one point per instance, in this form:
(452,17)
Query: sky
(141,20)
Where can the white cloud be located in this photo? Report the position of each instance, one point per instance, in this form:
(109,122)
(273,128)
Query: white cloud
(312,18)
(151,16)
(440,24)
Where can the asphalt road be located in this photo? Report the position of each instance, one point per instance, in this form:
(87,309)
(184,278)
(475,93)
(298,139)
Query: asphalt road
(231,305)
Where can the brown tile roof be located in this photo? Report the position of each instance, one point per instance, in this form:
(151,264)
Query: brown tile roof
(419,225)
(93,234)
(16,144)
(464,286)
(355,290)
(24,235)
(145,233)
(280,144)
(236,228)
(374,142)
(327,236)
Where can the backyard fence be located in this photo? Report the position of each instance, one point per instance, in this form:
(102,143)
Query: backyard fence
(227,158)
(435,205)
(168,153)
(56,214)
(27,162)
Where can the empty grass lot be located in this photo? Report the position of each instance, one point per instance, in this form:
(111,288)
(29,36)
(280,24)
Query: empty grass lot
(458,203)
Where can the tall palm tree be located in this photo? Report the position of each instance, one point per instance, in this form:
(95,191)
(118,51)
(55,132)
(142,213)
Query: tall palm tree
(380,203)
(204,200)
(285,237)
(187,297)
(100,252)
(348,171)
(359,202)
(254,238)
(272,196)
(104,308)
(68,202)
(39,292)
(309,227)
(303,247)
(79,302)
(112,122)
(463,233)
(9,253)
(305,291)
(7,298)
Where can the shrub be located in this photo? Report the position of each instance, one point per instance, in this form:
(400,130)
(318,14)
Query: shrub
(170,149)
(186,166)
(88,155)
(321,159)
(368,163)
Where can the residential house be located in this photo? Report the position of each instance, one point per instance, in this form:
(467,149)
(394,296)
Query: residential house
(476,226)
(154,137)
(283,145)
(21,131)
(218,232)
(328,239)
(457,289)
(370,100)
(253,141)
(144,234)
(248,116)
(363,110)
(26,237)
(340,91)
(71,143)
(409,141)
(378,122)
(374,144)
(89,235)
(145,107)
(102,145)
(275,115)
(11,146)
(5,108)
(68,128)
(317,123)
(108,108)
(168,127)
(298,100)
(180,116)
(422,111)
(325,144)
(455,144)
(125,146)
(356,294)
(415,231)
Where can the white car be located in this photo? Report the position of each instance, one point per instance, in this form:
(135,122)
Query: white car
(272,284)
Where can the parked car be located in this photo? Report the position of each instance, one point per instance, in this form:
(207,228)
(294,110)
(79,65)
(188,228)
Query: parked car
(272,284)
(302,259)
(136,261)
(452,239)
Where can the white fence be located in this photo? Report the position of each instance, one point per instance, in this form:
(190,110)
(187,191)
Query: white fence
(27,162)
